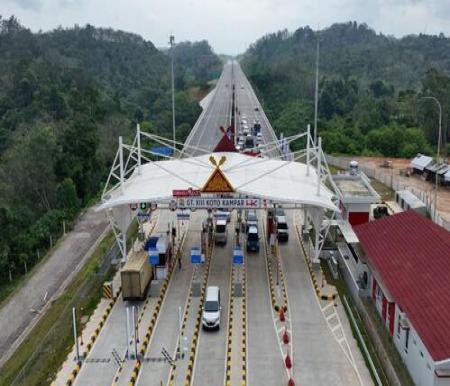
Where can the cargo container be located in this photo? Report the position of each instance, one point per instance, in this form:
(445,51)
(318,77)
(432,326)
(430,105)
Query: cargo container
(135,276)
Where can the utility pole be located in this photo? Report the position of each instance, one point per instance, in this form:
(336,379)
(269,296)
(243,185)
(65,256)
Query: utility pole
(316,92)
(438,151)
(172,44)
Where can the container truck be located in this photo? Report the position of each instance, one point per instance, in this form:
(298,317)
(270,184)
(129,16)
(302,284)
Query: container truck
(135,276)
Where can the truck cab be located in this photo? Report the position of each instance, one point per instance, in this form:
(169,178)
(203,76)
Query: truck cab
(221,231)
(282,229)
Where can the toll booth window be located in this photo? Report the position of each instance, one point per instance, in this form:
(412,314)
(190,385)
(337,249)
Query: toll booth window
(162,259)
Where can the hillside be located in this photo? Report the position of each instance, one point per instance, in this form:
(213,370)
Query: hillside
(370,86)
(65,96)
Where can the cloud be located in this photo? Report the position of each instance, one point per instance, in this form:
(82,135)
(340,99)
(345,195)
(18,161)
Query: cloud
(29,4)
(230,25)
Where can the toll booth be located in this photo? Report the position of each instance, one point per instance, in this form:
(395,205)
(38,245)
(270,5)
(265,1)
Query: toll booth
(160,255)
(270,222)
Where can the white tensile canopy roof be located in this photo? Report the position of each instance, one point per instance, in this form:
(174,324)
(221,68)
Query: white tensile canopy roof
(273,179)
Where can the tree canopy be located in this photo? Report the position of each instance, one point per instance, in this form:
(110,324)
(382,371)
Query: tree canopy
(65,97)
(371,87)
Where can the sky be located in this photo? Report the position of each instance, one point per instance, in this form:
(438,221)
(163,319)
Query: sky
(230,26)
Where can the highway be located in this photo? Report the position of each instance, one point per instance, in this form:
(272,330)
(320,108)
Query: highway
(317,357)
(206,133)
(247,101)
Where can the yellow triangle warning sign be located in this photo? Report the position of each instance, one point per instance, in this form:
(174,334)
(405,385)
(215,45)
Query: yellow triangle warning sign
(217,183)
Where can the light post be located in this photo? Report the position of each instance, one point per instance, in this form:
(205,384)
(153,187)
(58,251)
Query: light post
(316,91)
(438,150)
(172,43)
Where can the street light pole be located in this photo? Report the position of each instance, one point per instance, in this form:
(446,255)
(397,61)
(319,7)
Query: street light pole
(172,43)
(316,92)
(438,150)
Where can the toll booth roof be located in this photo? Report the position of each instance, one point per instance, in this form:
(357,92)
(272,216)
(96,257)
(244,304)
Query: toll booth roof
(267,178)
(355,187)
(410,198)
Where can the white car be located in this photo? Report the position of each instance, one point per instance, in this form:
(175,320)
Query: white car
(211,308)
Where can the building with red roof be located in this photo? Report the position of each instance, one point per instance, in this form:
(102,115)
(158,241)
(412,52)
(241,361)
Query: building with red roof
(408,260)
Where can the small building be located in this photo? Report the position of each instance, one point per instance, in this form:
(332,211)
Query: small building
(357,195)
(408,260)
(447,177)
(434,169)
(420,162)
(408,200)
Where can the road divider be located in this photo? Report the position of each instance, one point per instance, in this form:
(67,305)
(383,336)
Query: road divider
(198,320)
(318,289)
(156,312)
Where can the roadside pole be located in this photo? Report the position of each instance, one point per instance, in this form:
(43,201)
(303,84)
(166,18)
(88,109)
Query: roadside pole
(75,335)
(128,333)
(134,329)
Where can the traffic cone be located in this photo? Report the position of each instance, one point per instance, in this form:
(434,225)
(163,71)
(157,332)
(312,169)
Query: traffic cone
(291,382)
(282,318)
(285,337)
(288,362)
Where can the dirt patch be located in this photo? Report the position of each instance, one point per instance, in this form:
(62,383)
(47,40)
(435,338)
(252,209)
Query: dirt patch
(402,164)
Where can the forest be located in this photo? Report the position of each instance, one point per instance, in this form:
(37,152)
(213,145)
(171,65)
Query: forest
(371,87)
(65,97)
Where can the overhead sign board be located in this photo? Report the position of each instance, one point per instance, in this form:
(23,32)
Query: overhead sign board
(186,192)
(143,216)
(216,203)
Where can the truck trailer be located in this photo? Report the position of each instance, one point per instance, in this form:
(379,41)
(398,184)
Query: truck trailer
(135,276)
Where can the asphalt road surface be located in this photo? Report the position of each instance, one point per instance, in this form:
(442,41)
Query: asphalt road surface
(24,308)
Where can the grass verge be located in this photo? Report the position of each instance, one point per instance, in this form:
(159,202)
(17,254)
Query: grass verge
(39,357)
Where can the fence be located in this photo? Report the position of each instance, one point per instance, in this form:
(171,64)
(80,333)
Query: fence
(395,182)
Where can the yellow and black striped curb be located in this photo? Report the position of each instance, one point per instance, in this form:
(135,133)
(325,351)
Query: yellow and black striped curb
(275,306)
(107,290)
(244,327)
(230,328)
(74,374)
(155,315)
(108,294)
(92,340)
(317,289)
(194,342)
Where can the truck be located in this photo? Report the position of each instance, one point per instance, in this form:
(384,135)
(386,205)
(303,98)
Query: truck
(135,277)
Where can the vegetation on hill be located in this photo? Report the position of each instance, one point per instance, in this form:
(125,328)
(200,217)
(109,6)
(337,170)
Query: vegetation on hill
(65,97)
(370,87)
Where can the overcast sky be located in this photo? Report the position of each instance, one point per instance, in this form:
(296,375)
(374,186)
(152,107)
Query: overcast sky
(230,25)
